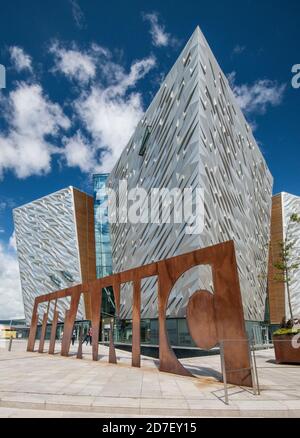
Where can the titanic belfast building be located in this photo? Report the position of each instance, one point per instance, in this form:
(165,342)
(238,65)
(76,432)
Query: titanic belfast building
(193,135)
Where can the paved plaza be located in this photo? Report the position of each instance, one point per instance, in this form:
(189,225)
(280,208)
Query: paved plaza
(41,385)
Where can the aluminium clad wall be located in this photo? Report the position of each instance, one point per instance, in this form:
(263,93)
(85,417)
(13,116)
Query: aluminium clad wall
(198,138)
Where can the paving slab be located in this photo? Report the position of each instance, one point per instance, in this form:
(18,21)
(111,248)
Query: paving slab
(42,385)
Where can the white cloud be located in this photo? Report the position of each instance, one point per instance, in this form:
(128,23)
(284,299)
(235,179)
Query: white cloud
(107,107)
(100,113)
(77,13)
(11,303)
(74,64)
(80,153)
(20,59)
(238,49)
(12,244)
(160,38)
(105,111)
(6,202)
(256,98)
(111,113)
(32,119)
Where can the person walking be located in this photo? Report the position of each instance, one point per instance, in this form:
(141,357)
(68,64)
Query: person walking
(88,337)
(73,336)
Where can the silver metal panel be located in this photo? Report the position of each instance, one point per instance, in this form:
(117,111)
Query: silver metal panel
(291,205)
(199,138)
(47,247)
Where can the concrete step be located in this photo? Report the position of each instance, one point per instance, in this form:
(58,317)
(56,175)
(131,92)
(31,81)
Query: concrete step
(146,409)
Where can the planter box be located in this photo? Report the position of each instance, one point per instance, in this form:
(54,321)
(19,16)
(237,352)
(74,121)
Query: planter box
(284,351)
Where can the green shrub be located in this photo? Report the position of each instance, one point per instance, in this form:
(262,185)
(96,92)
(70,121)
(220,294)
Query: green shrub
(286,331)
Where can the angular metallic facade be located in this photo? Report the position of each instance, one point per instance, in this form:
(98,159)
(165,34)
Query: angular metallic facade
(195,135)
(284,205)
(50,235)
(291,205)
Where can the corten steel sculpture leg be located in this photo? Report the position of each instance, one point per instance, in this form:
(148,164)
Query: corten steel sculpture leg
(112,352)
(69,320)
(95,290)
(33,329)
(80,341)
(43,331)
(168,361)
(116,290)
(136,324)
(230,316)
(53,331)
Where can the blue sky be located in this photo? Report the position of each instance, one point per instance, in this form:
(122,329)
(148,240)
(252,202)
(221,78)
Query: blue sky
(80,73)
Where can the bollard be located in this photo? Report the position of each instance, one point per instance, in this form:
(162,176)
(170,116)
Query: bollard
(10,343)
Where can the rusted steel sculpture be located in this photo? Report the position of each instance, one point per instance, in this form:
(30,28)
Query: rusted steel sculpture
(112,358)
(80,341)
(53,330)
(211,318)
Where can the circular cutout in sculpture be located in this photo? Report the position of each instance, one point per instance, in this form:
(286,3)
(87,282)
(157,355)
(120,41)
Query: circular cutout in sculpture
(201,319)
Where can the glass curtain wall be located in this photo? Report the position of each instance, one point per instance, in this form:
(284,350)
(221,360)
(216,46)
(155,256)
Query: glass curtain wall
(103,243)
